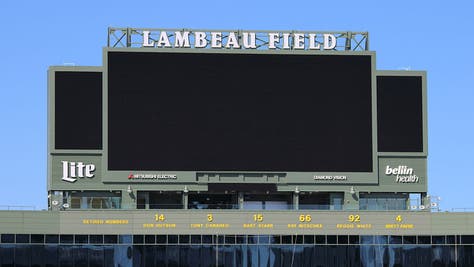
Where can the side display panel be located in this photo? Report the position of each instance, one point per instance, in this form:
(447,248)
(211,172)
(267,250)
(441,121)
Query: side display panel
(77,110)
(400,115)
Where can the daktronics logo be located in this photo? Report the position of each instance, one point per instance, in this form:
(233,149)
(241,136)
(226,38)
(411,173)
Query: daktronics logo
(73,170)
(142,176)
(403,174)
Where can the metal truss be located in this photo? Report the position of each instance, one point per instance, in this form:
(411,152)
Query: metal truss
(133,38)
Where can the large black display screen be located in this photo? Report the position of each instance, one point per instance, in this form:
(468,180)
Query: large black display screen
(400,113)
(239,112)
(78,110)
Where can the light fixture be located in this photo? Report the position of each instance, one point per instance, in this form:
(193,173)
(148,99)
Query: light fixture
(297,191)
(185,190)
(129,189)
(352,190)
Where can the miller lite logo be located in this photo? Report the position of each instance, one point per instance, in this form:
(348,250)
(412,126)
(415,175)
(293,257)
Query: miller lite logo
(73,170)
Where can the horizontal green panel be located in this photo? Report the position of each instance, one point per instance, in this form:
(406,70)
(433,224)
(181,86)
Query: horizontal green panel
(238,222)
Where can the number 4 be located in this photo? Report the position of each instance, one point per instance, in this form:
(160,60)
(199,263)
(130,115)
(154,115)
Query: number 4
(399,218)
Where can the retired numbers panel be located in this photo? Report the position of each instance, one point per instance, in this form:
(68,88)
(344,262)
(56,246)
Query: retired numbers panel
(249,222)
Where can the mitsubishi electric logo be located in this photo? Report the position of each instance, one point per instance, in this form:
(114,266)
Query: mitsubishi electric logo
(403,174)
(73,170)
(141,176)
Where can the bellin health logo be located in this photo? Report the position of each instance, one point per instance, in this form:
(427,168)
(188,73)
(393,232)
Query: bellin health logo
(403,173)
(73,170)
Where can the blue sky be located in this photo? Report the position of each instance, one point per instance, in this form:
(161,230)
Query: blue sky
(435,36)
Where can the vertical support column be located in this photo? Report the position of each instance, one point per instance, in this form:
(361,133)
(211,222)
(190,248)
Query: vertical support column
(128,199)
(240,200)
(348,41)
(109,32)
(129,37)
(351,200)
(408,203)
(147,200)
(56,200)
(296,199)
(185,198)
(367,41)
(66,199)
(426,201)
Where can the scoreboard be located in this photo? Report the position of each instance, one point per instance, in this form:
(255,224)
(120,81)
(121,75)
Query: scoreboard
(196,117)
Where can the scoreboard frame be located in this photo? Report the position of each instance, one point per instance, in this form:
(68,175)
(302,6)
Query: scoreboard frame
(279,176)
